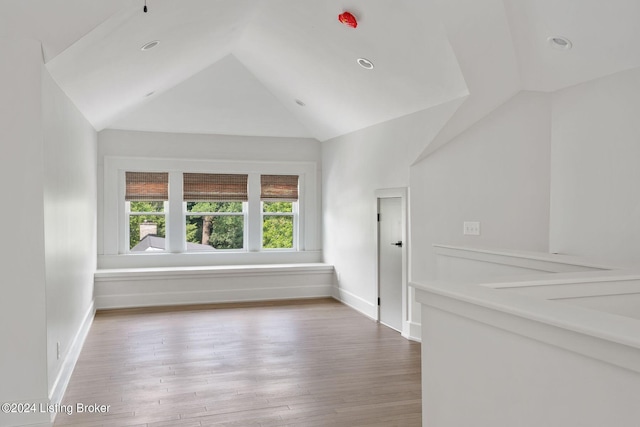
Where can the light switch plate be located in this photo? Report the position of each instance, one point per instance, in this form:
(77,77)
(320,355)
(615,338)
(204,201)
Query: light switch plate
(471,228)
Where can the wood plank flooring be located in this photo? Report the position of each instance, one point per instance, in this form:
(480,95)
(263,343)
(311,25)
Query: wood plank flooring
(301,363)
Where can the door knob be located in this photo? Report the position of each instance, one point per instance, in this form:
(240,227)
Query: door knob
(398,243)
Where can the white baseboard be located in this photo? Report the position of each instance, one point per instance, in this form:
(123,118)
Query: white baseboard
(415,331)
(355,302)
(71,358)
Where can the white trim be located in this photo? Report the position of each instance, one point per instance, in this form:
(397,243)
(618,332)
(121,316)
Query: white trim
(175,230)
(559,288)
(352,300)
(113,211)
(415,332)
(71,358)
(194,259)
(209,271)
(403,194)
(253,215)
(551,263)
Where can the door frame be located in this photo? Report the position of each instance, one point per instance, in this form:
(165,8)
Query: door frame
(403,194)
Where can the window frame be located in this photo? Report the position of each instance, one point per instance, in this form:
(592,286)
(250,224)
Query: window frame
(112,232)
(245,226)
(129,214)
(293,214)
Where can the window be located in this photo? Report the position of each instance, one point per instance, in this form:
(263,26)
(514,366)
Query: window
(279,200)
(215,211)
(205,207)
(146,198)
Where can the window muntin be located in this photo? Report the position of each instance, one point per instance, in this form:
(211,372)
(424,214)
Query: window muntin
(147,230)
(146,199)
(278,225)
(215,211)
(215,225)
(261,217)
(279,208)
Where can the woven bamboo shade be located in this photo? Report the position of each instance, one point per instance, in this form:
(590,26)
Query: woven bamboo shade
(147,186)
(215,187)
(283,188)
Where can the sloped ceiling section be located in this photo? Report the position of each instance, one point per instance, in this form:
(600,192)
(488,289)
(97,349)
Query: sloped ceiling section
(299,50)
(294,50)
(502,47)
(225,98)
(426,54)
(106,72)
(487,59)
(57,23)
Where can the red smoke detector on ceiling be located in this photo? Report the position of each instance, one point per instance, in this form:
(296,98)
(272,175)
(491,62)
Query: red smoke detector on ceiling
(348,19)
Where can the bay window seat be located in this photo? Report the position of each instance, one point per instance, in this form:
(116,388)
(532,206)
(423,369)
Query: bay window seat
(158,286)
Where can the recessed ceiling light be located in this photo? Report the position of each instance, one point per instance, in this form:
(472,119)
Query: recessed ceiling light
(560,42)
(365,63)
(150,45)
(300,103)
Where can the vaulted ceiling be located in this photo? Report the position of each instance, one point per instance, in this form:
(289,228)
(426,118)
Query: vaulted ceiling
(243,66)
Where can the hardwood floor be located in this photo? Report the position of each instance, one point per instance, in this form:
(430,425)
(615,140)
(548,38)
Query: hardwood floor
(304,363)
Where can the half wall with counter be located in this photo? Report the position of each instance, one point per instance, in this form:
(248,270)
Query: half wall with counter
(553,349)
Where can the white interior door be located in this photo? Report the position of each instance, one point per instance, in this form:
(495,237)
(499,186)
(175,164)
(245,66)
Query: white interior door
(390,261)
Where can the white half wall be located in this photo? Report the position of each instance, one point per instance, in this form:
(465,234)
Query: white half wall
(595,202)
(529,370)
(70,197)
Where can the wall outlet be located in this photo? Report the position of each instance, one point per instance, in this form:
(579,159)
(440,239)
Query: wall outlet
(471,228)
(58,350)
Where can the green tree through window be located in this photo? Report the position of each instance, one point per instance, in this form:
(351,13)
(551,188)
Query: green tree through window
(277,230)
(218,231)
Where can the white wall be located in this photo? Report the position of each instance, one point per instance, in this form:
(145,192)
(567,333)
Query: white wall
(215,147)
(70,172)
(354,167)
(497,173)
(48,178)
(595,202)
(23,339)
(183,149)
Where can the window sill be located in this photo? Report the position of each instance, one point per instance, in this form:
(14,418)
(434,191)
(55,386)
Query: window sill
(106,275)
(207,259)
